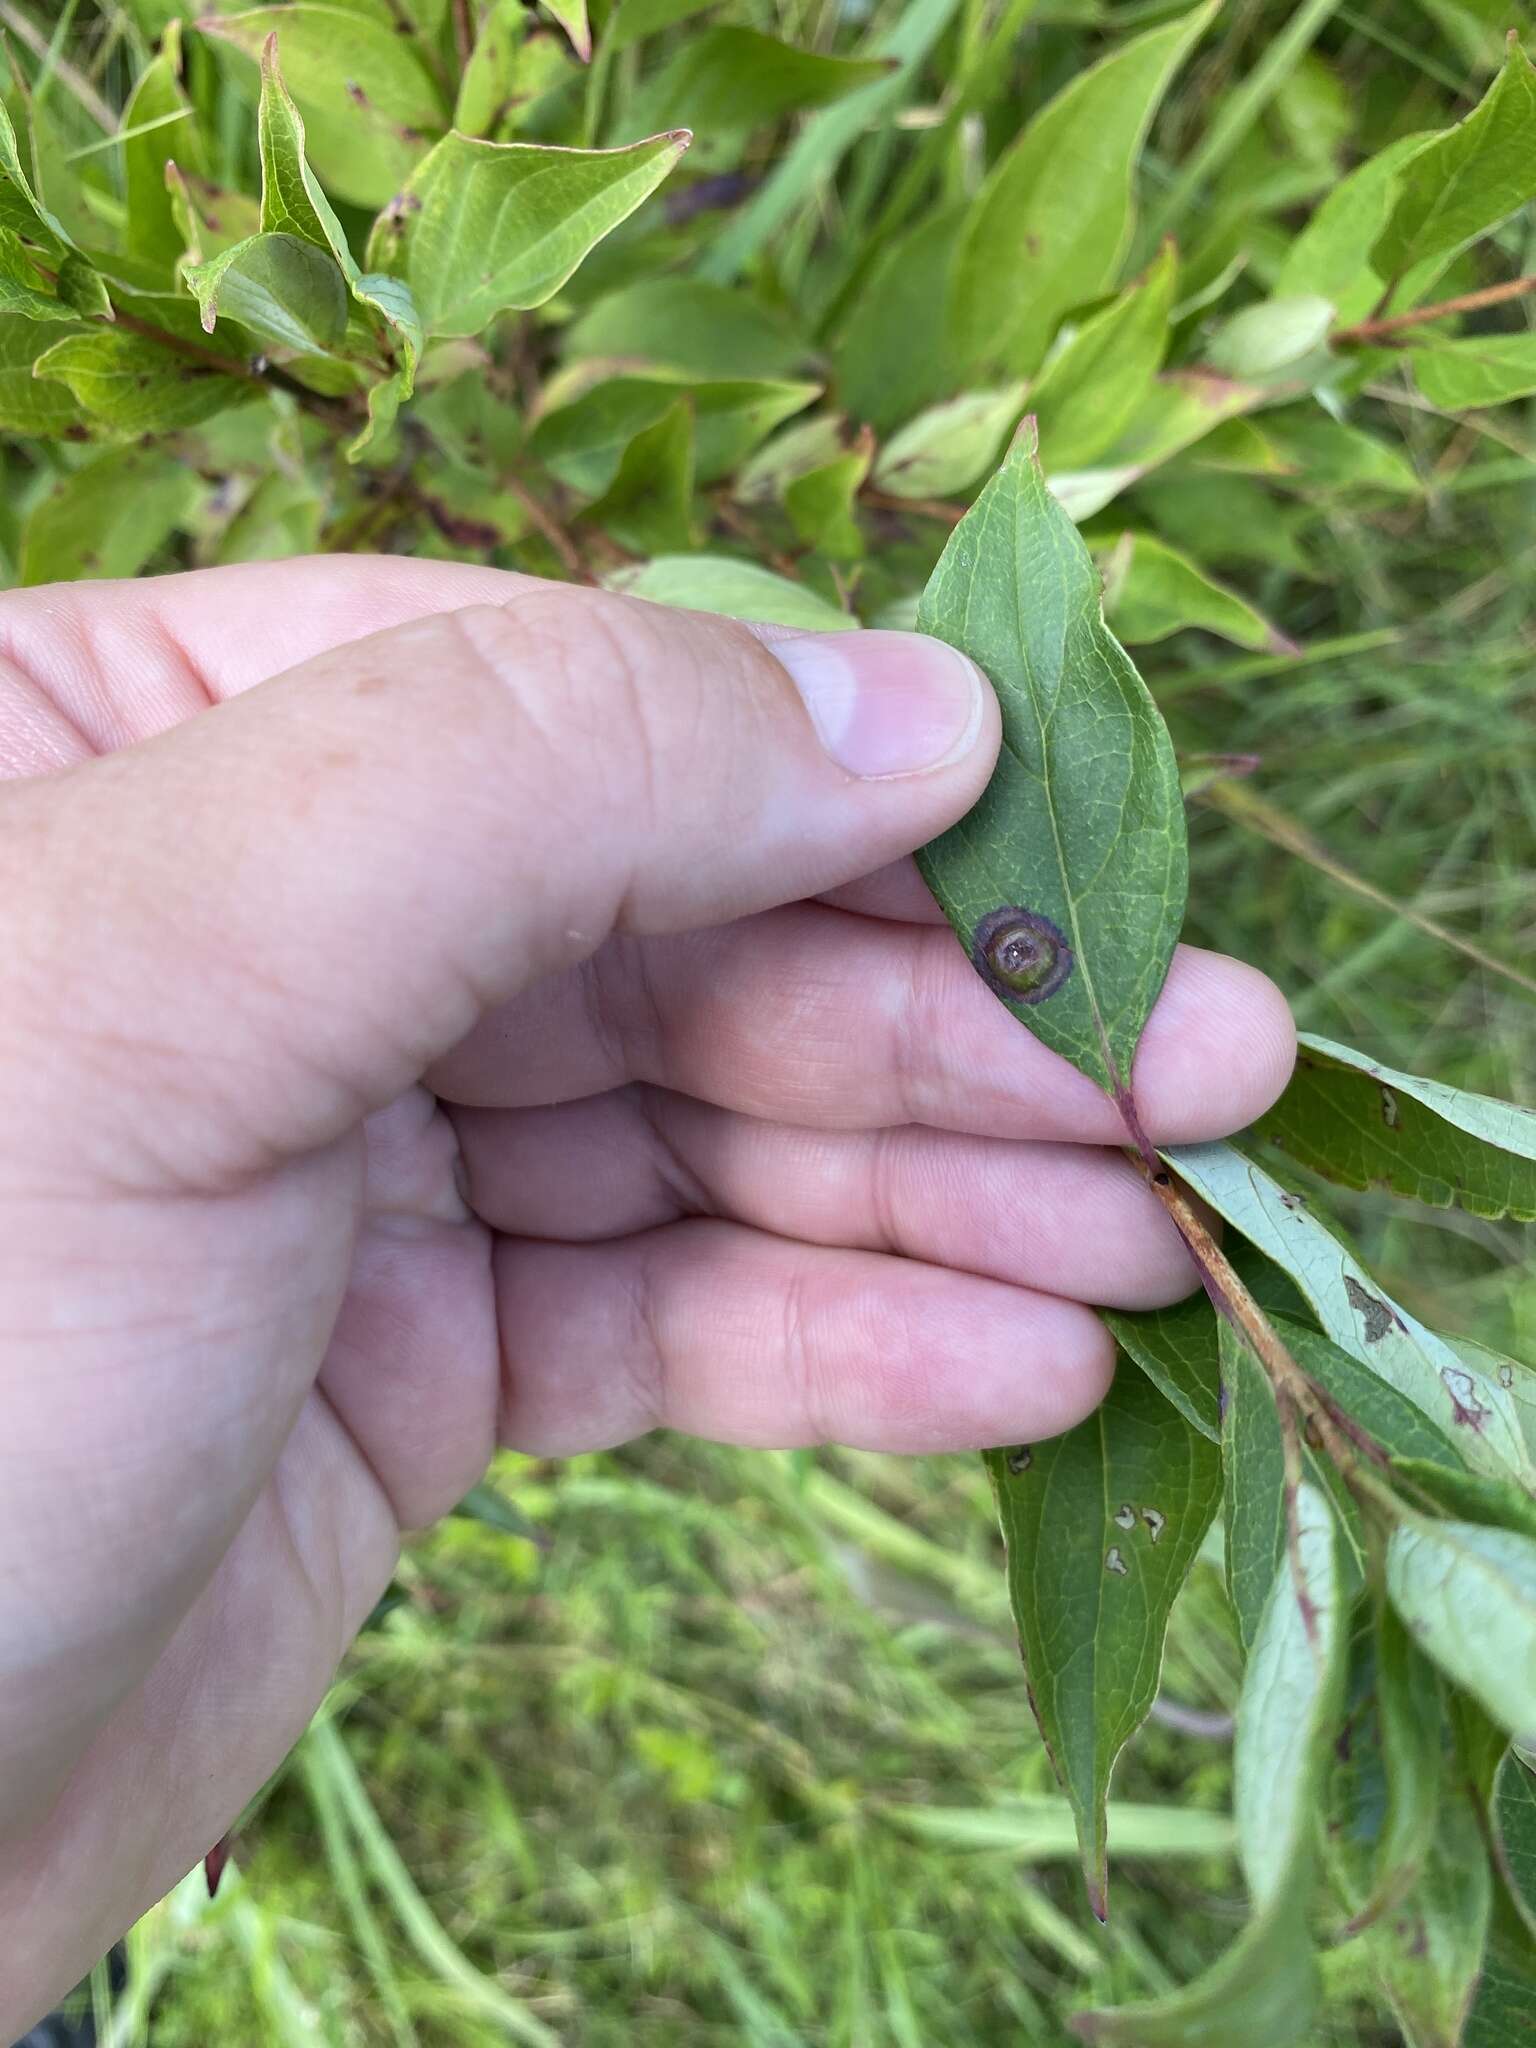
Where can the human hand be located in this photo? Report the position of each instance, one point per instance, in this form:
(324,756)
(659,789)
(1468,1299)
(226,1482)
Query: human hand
(480,1032)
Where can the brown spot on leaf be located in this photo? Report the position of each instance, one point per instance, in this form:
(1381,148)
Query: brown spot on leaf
(1376,1315)
(1156,1522)
(1467,1411)
(1020,1459)
(1021,956)
(1390,1114)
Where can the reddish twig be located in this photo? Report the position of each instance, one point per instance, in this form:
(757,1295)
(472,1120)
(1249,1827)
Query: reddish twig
(1368,331)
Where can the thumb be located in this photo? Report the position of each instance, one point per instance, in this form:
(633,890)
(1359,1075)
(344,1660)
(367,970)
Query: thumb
(270,920)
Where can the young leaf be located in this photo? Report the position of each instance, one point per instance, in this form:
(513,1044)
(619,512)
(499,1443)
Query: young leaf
(287,292)
(1253,1482)
(1092,389)
(1468,178)
(109,518)
(135,386)
(1264,1991)
(1274,340)
(1331,257)
(946,448)
(1514,1833)
(1468,1594)
(735,78)
(158,126)
(1363,1124)
(1050,227)
(1177,1348)
(1466,1402)
(369,99)
(649,504)
(739,590)
(1480,369)
(1101,1527)
(481,228)
(1151,590)
(1066,882)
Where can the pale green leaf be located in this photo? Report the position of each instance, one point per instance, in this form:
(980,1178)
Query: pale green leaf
(1466,1496)
(489,81)
(280,519)
(288,293)
(1081,830)
(1151,590)
(1428,1949)
(808,445)
(109,518)
(1093,387)
(484,227)
(1050,228)
(946,448)
(1468,1596)
(1101,1527)
(572,17)
(1469,178)
(728,79)
(20,209)
(583,440)
(1355,1121)
(739,590)
(135,386)
(158,127)
(1468,1404)
(370,103)
(1272,340)
(1264,1991)
(1479,369)
(1182,407)
(1043,1829)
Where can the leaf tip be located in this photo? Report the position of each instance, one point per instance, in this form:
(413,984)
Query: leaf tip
(1026,438)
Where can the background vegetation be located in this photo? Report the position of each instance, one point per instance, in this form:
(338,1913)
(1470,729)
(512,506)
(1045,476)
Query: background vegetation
(688,1745)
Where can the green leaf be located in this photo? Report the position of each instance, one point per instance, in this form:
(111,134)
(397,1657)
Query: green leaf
(109,518)
(1481,369)
(821,503)
(280,518)
(1506,1994)
(21,284)
(1384,1787)
(739,590)
(1467,179)
(1050,227)
(1080,832)
(28,404)
(1464,1400)
(1273,340)
(135,386)
(369,100)
(1467,1496)
(209,219)
(582,441)
(649,504)
(1179,411)
(20,210)
(635,20)
(1042,1828)
(1331,257)
(946,448)
(1263,1992)
(1101,1527)
(1355,1121)
(488,83)
(1253,1485)
(1468,1595)
(1514,1832)
(1151,590)
(572,17)
(1403,1430)
(288,293)
(1177,1348)
(158,126)
(1428,1950)
(728,79)
(1091,389)
(891,356)
(684,324)
(1328,456)
(807,445)
(484,227)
